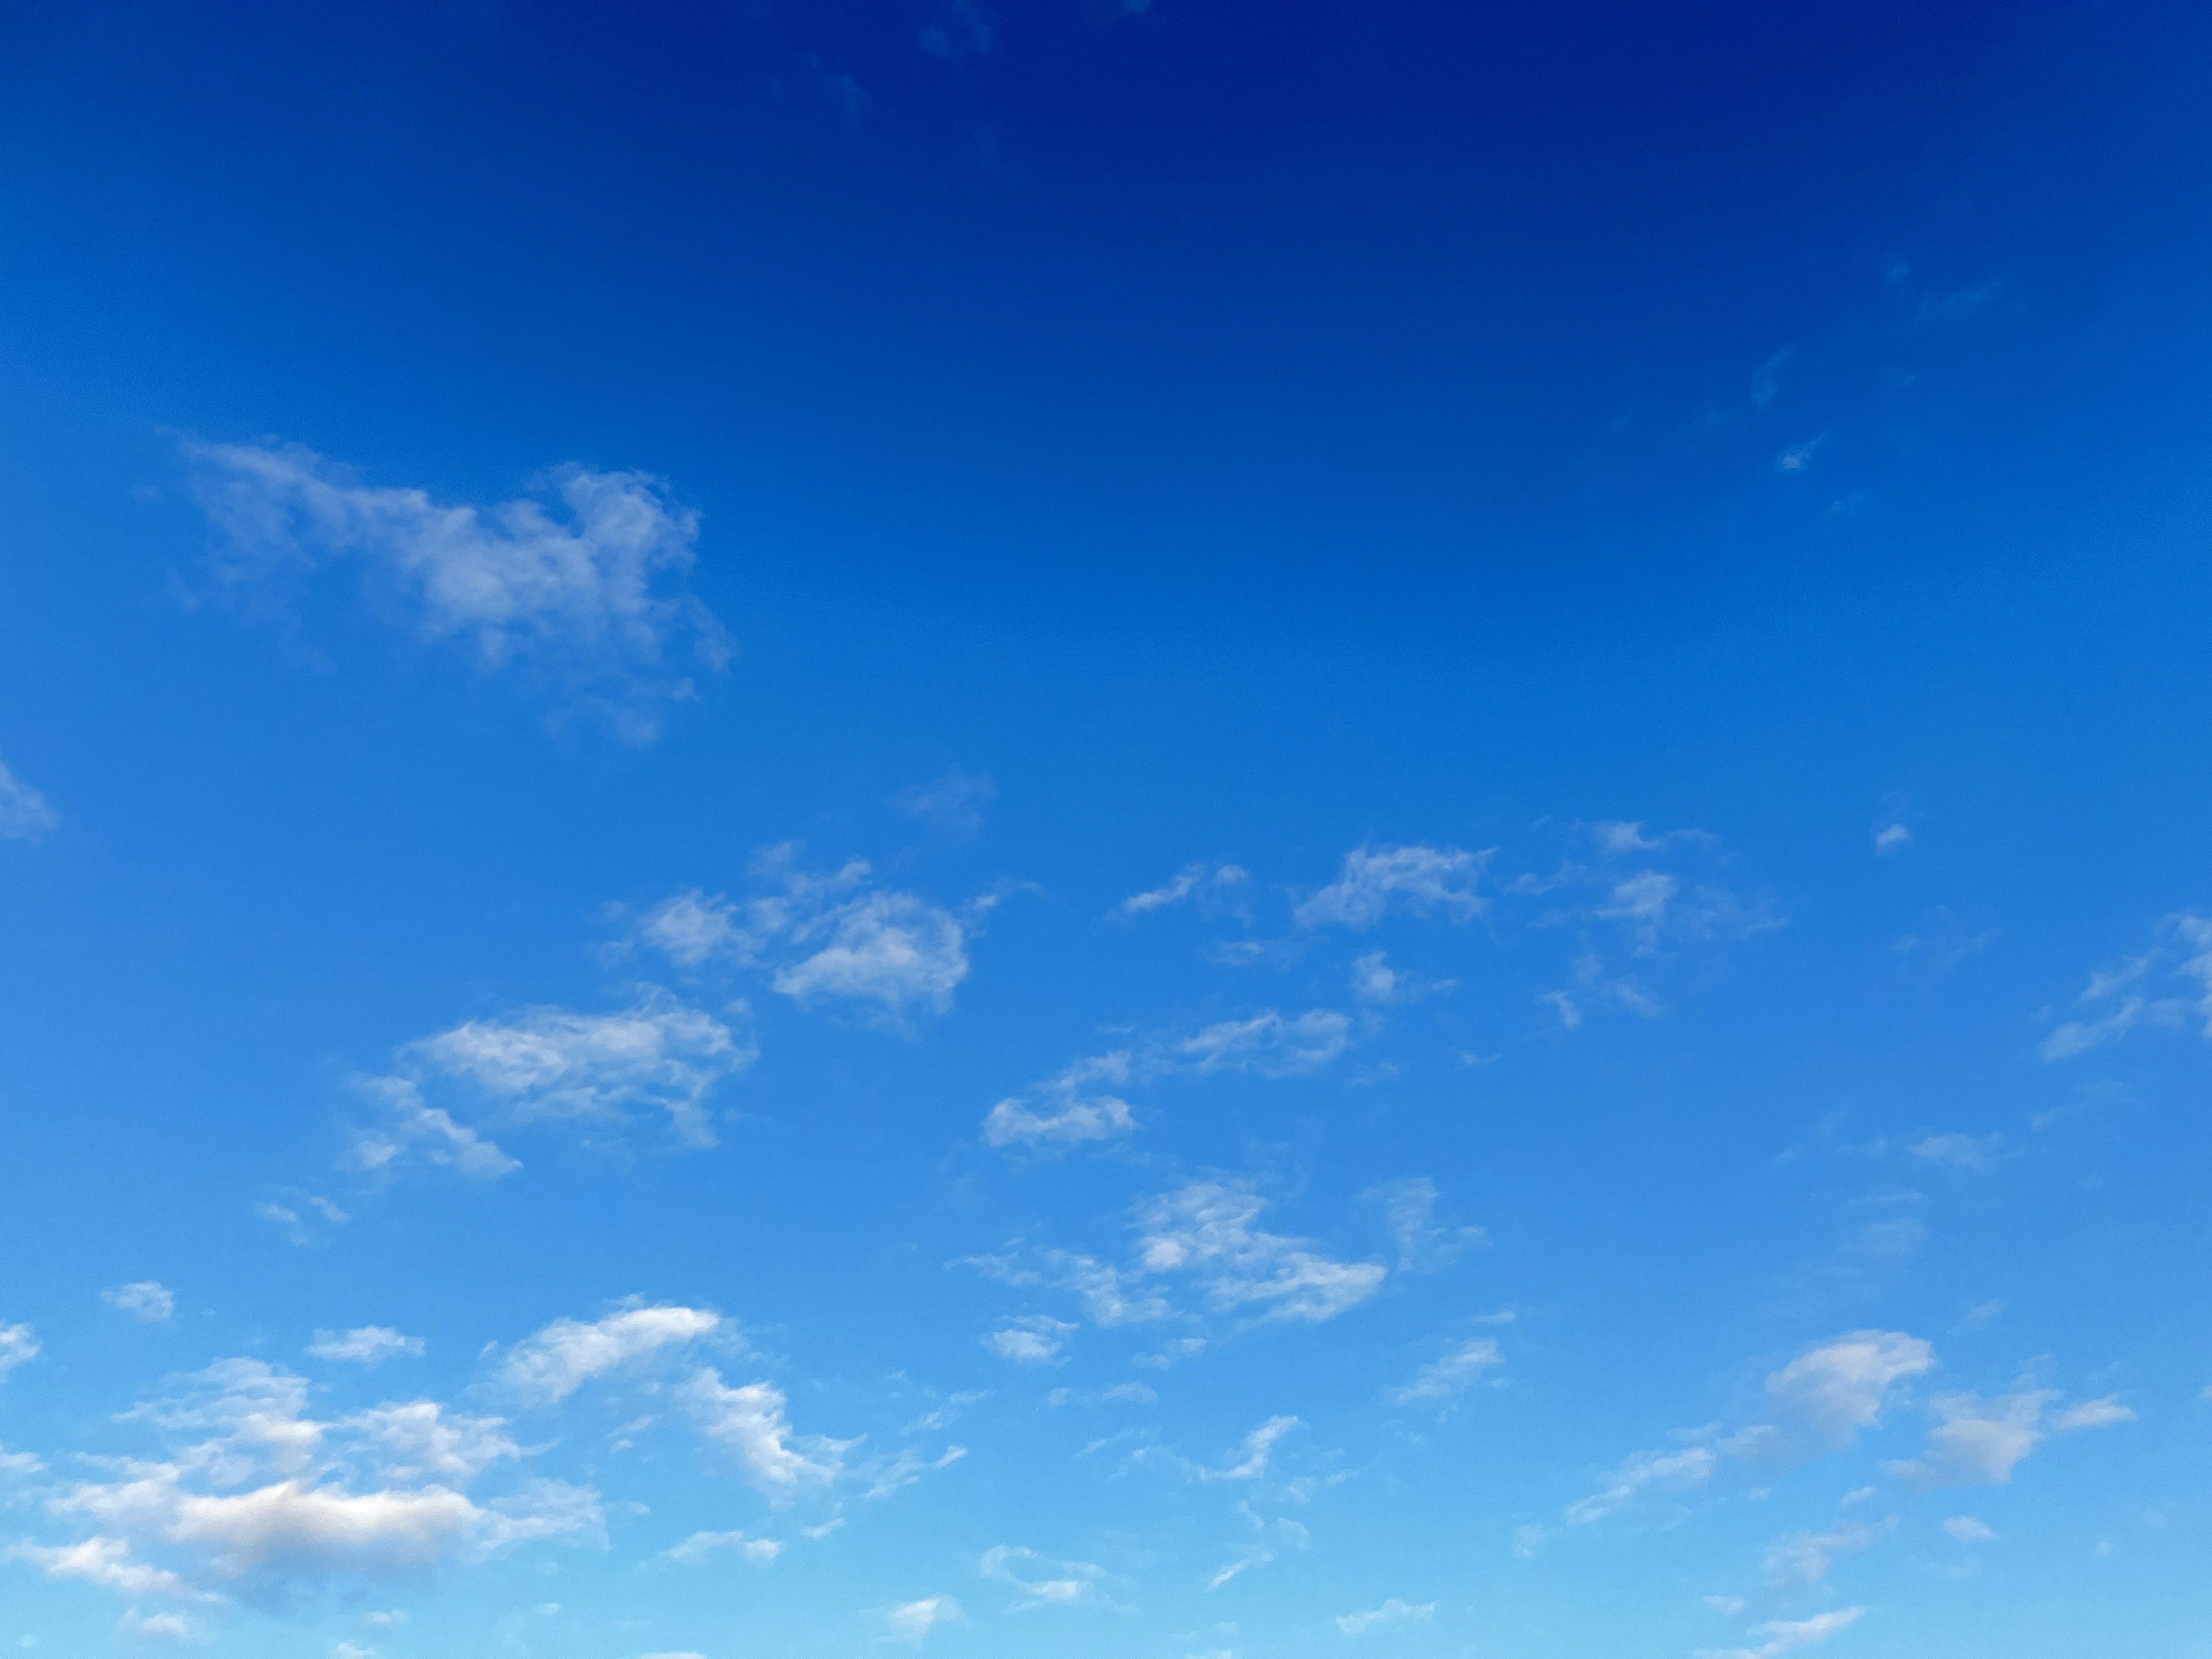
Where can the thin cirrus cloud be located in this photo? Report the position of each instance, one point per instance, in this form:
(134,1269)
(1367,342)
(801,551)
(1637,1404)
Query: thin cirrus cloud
(1209,886)
(1443,1380)
(2167,984)
(583,585)
(1392,1613)
(25,814)
(1041,1580)
(913,1621)
(1374,881)
(19,1345)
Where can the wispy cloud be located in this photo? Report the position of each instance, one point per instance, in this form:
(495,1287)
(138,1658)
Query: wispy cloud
(25,814)
(581,584)
(2169,984)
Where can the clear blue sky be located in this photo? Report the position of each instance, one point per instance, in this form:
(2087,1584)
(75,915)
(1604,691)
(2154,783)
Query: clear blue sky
(1184,830)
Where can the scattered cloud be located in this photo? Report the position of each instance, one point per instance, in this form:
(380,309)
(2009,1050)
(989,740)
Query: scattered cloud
(703,1547)
(19,1345)
(959,28)
(1207,1230)
(1832,1391)
(1254,1453)
(1969,1529)
(1892,838)
(1375,981)
(1392,1613)
(2169,985)
(25,814)
(583,584)
(552,1364)
(1211,887)
(1429,880)
(1068,1110)
(1980,1442)
(365,1345)
(1645,1471)
(1798,457)
(1409,1207)
(1443,1380)
(1270,1044)
(146,1301)
(749,1425)
(1034,1340)
(913,1621)
(1787,1635)
(1041,1581)
(1802,1559)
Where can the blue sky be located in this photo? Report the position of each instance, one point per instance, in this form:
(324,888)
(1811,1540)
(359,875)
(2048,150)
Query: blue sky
(1184,830)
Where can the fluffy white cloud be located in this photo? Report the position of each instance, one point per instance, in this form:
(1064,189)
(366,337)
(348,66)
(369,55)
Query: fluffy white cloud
(1043,1582)
(827,937)
(1035,1340)
(702,1546)
(590,594)
(1646,1471)
(1978,1442)
(1070,1108)
(25,814)
(1270,1044)
(1205,885)
(553,1063)
(1207,1230)
(1444,1379)
(1787,1635)
(2170,984)
(1428,879)
(146,1300)
(1392,1613)
(552,1364)
(255,1499)
(1832,1391)
(19,1345)
(912,1621)
(1969,1529)
(749,1423)
(367,1345)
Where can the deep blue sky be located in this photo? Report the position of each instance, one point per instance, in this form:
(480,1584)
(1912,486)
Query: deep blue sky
(1391,451)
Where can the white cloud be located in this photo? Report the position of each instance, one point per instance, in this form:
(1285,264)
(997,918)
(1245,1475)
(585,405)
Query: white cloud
(591,595)
(552,1364)
(912,1621)
(1428,879)
(1802,1559)
(702,1546)
(1375,981)
(1444,1379)
(1969,1529)
(19,1345)
(1409,1210)
(1959,1152)
(1646,1471)
(553,1063)
(2092,1414)
(1393,1612)
(1787,1635)
(412,1129)
(749,1423)
(1253,1453)
(1036,1340)
(1892,838)
(1978,1442)
(1070,1108)
(367,1345)
(1838,1388)
(25,814)
(146,1301)
(2168,985)
(889,948)
(1043,1582)
(169,1626)
(693,927)
(1270,1044)
(1207,884)
(1207,1230)
(256,1497)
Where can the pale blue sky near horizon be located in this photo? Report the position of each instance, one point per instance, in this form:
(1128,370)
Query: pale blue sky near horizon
(1189,830)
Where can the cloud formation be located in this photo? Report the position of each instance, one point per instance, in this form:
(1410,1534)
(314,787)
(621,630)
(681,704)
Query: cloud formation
(553,1362)
(25,814)
(1429,880)
(583,583)
(2168,985)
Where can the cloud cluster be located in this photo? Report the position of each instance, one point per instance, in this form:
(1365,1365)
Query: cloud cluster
(821,937)
(2169,984)
(583,584)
